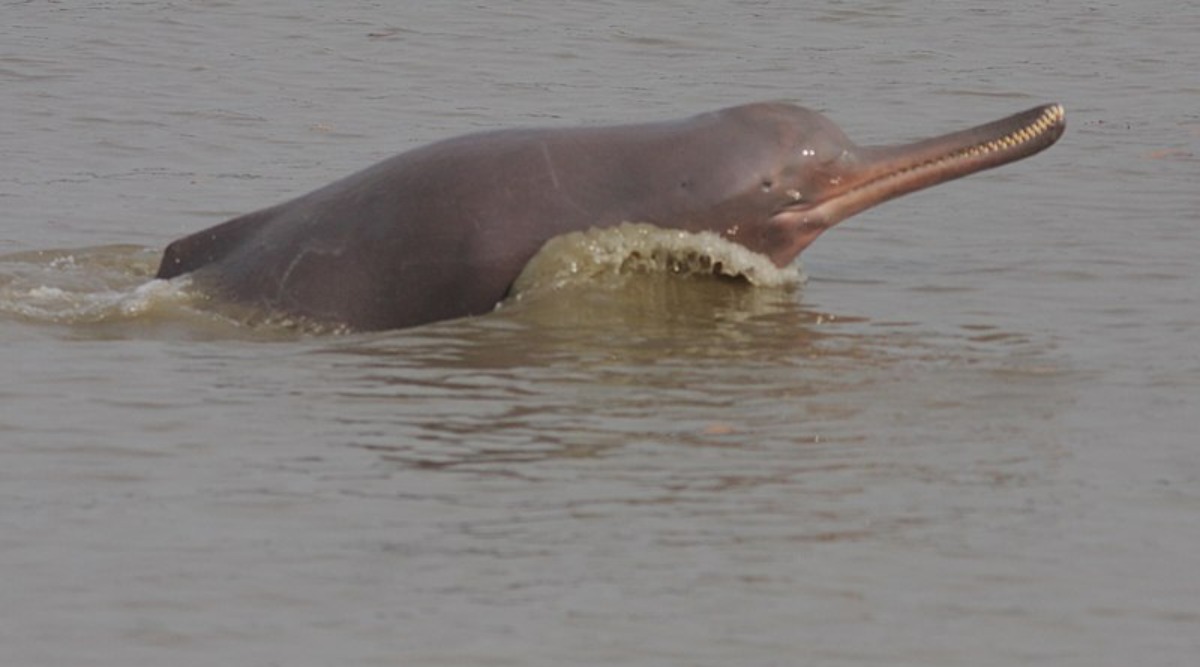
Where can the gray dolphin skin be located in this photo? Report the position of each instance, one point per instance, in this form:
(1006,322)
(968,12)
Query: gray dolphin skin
(442,231)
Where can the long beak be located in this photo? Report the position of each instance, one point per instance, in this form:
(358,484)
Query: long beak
(876,174)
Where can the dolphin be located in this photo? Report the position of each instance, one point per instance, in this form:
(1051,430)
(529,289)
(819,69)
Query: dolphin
(442,231)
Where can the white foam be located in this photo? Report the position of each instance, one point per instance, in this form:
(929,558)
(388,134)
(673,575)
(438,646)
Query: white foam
(598,254)
(91,285)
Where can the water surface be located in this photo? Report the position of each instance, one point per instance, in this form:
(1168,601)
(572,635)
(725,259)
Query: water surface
(968,439)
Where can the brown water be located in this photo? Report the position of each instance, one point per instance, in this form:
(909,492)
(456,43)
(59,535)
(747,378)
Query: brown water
(971,438)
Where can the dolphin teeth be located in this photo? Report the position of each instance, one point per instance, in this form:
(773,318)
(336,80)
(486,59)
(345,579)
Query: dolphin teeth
(1052,116)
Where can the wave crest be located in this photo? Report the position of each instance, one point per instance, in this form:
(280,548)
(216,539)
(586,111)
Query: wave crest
(615,253)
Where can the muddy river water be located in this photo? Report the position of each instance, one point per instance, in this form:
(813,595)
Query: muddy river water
(972,437)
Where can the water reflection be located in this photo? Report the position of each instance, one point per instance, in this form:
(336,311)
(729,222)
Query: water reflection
(696,363)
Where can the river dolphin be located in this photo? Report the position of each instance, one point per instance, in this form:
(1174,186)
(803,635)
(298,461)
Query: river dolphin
(442,231)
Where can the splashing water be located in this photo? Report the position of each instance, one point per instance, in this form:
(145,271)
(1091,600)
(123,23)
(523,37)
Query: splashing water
(110,290)
(614,255)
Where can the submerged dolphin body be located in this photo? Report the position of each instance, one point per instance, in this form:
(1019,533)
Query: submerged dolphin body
(442,231)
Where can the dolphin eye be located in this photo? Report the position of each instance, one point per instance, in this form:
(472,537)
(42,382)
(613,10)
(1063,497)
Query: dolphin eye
(767,184)
(822,152)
